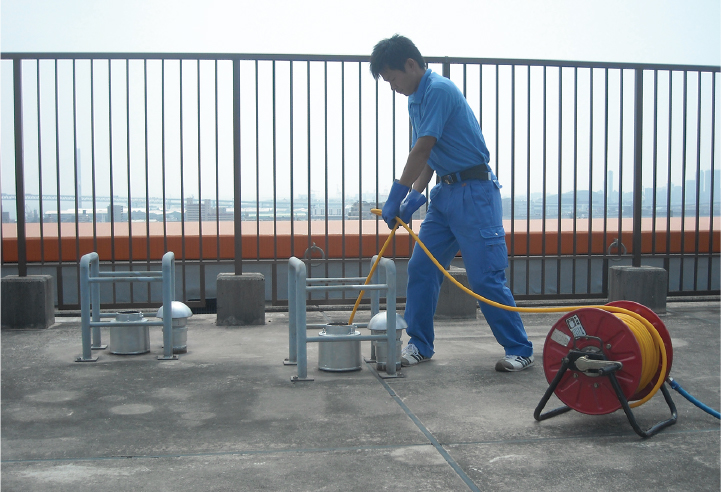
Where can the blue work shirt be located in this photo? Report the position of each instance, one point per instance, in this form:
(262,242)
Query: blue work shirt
(438,109)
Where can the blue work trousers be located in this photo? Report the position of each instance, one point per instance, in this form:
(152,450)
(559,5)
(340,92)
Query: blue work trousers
(465,216)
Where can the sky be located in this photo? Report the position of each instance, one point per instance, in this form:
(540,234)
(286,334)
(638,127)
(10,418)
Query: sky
(640,31)
(651,31)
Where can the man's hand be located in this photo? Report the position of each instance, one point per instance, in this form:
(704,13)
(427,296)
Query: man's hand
(410,204)
(392,207)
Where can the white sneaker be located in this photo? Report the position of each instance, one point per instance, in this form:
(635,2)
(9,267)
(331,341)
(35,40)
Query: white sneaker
(514,363)
(410,356)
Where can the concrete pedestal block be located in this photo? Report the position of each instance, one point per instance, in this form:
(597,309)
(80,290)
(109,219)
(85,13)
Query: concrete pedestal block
(452,301)
(645,285)
(240,299)
(28,302)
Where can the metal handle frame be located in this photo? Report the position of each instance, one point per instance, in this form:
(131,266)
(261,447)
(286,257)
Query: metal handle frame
(299,285)
(90,279)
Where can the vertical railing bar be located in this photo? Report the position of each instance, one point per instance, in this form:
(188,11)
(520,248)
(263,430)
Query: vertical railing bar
(112,193)
(201,207)
(575,177)
(257,167)
(638,167)
(325,153)
(57,177)
(712,179)
(528,180)
(75,176)
(162,163)
(589,255)
(376,163)
(127,156)
(61,297)
(620,165)
(465,67)
(182,187)
(393,166)
(342,167)
(698,182)
(559,214)
(20,167)
(393,154)
(513,179)
(410,142)
(308,213)
(292,213)
(655,162)
(498,150)
(275,186)
(147,176)
(360,169)
(237,212)
(544,185)
(217,167)
(683,179)
(667,258)
(40,169)
(604,276)
(480,95)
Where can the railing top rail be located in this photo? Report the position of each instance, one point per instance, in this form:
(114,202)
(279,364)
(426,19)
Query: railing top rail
(349,58)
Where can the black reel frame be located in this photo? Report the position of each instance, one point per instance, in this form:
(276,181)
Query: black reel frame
(569,362)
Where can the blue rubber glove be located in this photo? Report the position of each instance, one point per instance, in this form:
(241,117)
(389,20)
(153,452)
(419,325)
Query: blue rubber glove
(410,204)
(392,207)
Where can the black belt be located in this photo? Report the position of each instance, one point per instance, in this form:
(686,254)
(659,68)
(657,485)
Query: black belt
(477,172)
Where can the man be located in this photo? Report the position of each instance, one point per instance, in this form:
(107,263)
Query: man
(465,208)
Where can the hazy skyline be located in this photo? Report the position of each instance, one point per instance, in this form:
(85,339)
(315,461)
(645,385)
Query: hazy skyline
(643,31)
(649,32)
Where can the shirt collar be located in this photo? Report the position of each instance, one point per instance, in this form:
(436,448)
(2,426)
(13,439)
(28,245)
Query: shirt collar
(417,96)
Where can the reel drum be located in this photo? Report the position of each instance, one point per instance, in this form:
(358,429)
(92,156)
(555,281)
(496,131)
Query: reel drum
(599,333)
(652,318)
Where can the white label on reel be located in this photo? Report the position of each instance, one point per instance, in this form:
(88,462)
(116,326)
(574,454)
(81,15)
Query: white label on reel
(560,337)
(574,324)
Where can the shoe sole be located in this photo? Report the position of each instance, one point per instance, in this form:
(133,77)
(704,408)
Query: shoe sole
(405,363)
(500,367)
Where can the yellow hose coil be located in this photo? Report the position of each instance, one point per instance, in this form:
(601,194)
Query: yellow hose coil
(647,336)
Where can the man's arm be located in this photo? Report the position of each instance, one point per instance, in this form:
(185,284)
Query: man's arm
(423,180)
(417,164)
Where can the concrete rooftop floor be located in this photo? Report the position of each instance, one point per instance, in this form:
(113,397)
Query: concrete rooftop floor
(226,416)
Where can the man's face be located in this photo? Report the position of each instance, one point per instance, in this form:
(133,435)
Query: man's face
(403,82)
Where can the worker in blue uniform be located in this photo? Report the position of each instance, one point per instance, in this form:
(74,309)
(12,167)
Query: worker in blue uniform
(465,206)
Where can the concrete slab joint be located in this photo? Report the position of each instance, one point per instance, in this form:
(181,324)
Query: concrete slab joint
(240,299)
(452,301)
(645,284)
(28,302)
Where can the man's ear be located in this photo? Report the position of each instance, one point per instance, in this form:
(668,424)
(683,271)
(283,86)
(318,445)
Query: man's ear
(410,65)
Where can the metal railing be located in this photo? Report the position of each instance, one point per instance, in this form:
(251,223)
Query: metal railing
(133,155)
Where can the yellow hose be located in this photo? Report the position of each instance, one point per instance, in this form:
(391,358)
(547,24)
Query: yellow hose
(373,269)
(648,354)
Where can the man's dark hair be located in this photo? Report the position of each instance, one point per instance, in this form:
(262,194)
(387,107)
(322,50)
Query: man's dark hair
(392,53)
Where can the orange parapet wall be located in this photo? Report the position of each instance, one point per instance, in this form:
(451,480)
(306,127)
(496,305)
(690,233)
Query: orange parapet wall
(338,239)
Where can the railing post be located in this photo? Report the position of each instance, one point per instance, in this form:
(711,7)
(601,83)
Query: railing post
(446,68)
(19,167)
(390,270)
(168,279)
(638,168)
(95,301)
(237,213)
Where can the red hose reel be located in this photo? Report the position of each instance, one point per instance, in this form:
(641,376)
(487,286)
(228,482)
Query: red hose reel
(594,363)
